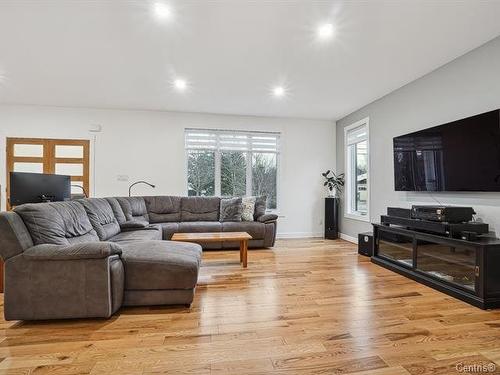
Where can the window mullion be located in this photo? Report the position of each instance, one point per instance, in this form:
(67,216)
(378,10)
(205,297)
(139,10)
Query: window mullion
(249,174)
(355,174)
(217,172)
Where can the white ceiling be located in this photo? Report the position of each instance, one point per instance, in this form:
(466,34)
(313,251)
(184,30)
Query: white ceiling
(116,54)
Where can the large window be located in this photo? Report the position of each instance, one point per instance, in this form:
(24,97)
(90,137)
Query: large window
(357,171)
(232,163)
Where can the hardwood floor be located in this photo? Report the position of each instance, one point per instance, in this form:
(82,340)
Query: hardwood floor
(306,307)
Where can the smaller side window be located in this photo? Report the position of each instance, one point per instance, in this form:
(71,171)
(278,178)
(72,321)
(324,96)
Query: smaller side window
(357,171)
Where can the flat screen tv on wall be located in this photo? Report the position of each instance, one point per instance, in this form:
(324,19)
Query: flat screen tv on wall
(462,155)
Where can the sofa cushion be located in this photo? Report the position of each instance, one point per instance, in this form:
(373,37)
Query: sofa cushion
(260,206)
(117,209)
(163,209)
(169,229)
(230,209)
(200,208)
(254,228)
(153,265)
(150,233)
(59,223)
(134,208)
(101,217)
(200,227)
(248,208)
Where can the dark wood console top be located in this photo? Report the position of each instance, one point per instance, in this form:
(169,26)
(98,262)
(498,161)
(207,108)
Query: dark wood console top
(485,240)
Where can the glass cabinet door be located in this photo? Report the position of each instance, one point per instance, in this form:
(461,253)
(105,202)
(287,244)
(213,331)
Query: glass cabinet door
(396,247)
(453,264)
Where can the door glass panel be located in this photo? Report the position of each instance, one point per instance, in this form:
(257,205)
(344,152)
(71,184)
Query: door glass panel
(396,247)
(25,150)
(452,264)
(28,167)
(69,169)
(69,151)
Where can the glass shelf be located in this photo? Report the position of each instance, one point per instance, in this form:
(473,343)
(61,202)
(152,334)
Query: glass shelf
(396,247)
(452,264)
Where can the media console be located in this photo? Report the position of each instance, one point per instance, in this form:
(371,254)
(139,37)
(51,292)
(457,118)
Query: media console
(467,270)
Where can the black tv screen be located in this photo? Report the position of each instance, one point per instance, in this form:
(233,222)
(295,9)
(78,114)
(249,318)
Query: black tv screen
(462,155)
(38,187)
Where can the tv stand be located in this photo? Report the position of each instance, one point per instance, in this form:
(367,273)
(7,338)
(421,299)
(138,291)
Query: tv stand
(467,270)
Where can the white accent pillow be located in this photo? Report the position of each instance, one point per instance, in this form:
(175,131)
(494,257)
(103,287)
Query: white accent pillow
(248,204)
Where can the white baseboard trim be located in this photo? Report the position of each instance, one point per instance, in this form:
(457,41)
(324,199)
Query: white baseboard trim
(288,235)
(348,238)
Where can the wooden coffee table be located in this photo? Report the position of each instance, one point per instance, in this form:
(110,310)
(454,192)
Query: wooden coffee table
(242,237)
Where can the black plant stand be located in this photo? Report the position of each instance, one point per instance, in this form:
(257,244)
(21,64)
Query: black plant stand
(332,218)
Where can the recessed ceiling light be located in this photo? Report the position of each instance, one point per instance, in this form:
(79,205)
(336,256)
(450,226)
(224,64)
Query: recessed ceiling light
(325,31)
(161,10)
(180,84)
(279,91)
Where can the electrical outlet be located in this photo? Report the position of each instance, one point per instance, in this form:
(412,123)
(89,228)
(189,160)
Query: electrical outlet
(122,177)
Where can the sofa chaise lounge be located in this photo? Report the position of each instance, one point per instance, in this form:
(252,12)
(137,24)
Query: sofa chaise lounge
(87,258)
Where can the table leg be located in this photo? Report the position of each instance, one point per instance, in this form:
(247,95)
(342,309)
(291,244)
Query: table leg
(244,245)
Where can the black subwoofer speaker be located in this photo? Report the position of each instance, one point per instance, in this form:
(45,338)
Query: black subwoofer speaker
(332,218)
(365,244)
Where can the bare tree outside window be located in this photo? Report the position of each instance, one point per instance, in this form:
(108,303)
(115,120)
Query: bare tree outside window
(264,176)
(201,173)
(233,173)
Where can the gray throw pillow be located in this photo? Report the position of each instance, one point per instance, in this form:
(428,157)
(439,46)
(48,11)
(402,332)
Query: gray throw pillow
(248,204)
(260,206)
(230,209)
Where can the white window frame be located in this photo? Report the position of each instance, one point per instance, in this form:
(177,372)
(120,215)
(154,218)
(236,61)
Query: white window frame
(348,211)
(218,151)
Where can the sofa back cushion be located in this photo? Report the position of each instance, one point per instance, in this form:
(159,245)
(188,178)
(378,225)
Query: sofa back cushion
(260,206)
(134,208)
(163,209)
(117,210)
(200,208)
(230,209)
(101,217)
(59,223)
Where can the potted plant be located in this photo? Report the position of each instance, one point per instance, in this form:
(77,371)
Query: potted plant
(333,182)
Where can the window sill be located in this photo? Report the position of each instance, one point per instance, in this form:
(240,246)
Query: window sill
(274,211)
(364,218)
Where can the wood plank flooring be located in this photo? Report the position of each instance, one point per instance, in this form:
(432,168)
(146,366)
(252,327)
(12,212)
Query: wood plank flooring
(306,307)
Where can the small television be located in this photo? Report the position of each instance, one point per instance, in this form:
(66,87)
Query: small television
(38,187)
(462,155)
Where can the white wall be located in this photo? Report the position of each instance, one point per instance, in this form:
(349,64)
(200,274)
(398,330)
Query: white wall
(466,86)
(149,145)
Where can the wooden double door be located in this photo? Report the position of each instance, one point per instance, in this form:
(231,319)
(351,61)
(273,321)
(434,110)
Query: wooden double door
(55,156)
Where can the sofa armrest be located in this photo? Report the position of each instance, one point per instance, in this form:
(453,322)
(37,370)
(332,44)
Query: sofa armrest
(61,282)
(133,225)
(89,250)
(267,218)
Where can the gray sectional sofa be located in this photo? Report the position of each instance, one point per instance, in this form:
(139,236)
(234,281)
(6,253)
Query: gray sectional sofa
(89,257)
